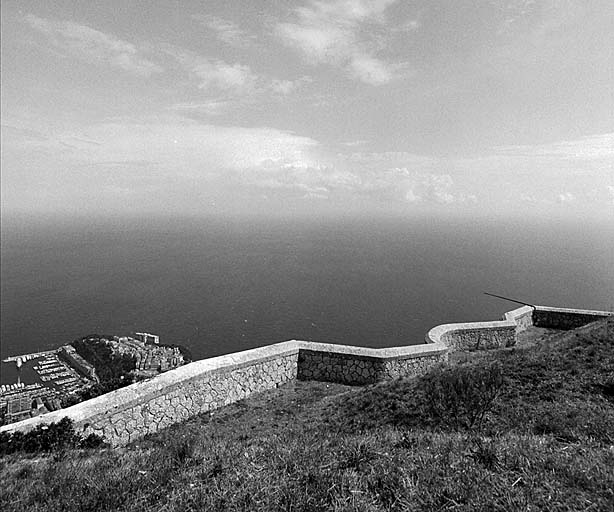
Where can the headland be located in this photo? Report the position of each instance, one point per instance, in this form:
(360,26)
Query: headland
(37,383)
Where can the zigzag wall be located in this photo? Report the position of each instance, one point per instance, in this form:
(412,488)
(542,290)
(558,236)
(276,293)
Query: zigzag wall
(146,407)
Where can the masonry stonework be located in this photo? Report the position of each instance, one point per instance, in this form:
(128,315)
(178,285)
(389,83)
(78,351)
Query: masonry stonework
(181,401)
(360,370)
(129,413)
(562,319)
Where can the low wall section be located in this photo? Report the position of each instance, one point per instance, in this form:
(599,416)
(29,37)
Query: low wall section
(557,318)
(146,407)
(488,335)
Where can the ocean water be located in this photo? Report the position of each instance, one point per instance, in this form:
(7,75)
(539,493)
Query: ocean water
(220,285)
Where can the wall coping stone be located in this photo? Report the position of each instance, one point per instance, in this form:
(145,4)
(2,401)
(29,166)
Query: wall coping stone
(437,334)
(522,311)
(135,394)
(139,392)
(390,353)
(588,312)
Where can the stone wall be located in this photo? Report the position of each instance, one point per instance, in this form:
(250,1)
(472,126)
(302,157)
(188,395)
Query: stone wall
(146,407)
(355,366)
(488,335)
(187,398)
(522,317)
(475,335)
(172,397)
(558,318)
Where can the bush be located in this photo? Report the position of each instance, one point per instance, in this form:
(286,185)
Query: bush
(110,367)
(182,450)
(47,438)
(461,396)
(484,452)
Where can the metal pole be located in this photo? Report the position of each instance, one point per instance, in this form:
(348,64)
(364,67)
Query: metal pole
(511,300)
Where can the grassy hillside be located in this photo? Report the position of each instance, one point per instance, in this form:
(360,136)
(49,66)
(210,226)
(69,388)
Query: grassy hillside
(519,429)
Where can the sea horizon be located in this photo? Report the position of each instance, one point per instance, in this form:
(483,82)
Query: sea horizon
(224,283)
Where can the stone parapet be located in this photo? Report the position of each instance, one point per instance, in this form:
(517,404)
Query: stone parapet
(488,335)
(355,365)
(146,407)
(474,335)
(561,318)
(522,317)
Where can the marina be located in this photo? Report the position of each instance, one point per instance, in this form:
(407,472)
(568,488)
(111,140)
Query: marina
(28,357)
(33,384)
(40,382)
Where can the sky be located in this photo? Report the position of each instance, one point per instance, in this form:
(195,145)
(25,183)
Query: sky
(480,106)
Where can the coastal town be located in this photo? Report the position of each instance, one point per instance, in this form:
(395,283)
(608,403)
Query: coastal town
(46,381)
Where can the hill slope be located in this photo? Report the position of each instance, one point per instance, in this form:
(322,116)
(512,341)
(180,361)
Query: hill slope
(519,429)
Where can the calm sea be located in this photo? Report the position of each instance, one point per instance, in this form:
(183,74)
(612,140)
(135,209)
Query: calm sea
(222,285)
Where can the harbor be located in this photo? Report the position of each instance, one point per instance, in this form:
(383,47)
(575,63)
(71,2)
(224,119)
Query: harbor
(33,384)
(39,382)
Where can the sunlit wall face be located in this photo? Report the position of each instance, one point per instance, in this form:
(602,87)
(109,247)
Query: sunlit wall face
(470,108)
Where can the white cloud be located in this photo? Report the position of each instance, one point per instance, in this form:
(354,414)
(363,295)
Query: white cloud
(369,70)
(354,143)
(593,147)
(283,86)
(212,107)
(331,33)
(214,74)
(315,195)
(427,187)
(411,197)
(565,197)
(399,158)
(232,80)
(93,46)
(498,178)
(171,143)
(222,76)
(610,189)
(225,30)
(528,198)
(409,26)
(318,44)
(301,175)
(581,170)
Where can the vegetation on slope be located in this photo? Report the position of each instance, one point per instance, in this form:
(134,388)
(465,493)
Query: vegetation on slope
(110,367)
(562,387)
(508,430)
(47,438)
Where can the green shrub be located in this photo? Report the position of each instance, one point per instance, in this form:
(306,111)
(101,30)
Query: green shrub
(47,438)
(461,396)
(484,452)
(110,367)
(182,450)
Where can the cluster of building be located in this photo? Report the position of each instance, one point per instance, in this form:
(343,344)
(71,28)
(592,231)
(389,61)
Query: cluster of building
(151,357)
(87,370)
(28,400)
(63,371)
(57,378)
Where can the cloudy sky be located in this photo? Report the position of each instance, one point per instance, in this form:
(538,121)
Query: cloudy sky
(201,106)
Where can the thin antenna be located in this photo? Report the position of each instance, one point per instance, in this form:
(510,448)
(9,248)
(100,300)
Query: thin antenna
(511,300)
